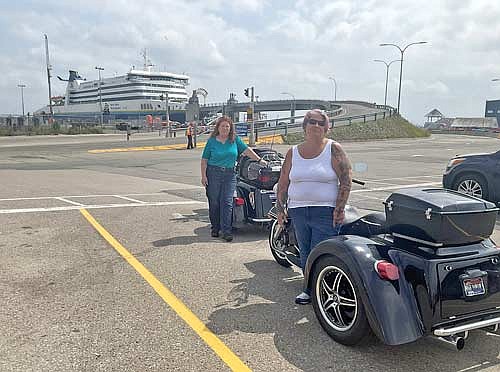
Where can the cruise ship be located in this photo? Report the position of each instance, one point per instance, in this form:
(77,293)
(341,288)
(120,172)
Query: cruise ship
(136,95)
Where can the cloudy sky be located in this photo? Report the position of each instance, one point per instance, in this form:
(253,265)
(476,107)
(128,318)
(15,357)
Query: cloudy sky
(276,45)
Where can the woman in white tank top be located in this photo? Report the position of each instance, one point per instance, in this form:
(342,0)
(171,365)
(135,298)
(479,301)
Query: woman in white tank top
(314,184)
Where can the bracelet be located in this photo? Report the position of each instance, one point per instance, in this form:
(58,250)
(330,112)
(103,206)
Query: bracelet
(258,161)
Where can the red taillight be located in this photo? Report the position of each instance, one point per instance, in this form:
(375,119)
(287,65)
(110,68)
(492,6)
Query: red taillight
(264,178)
(239,201)
(387,270)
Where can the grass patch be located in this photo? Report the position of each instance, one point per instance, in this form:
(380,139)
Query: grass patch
(46,130)
(393,127)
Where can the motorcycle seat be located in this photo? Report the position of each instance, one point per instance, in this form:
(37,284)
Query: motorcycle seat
(363,225)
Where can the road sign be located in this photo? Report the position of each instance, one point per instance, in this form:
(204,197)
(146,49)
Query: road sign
(241,129)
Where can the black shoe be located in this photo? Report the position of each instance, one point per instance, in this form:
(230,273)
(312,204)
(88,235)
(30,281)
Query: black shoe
(303,299)
(215,234)
(227,237)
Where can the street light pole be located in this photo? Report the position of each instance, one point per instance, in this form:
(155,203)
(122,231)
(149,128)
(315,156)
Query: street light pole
(335,88)
(49,67)
(387,65)
(22,86)
(401,68)
(251,137)
(292,112)
(99,69)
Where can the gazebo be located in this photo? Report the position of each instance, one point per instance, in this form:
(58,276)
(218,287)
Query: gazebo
(433,116)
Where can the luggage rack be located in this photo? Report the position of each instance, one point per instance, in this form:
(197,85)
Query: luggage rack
(416,240)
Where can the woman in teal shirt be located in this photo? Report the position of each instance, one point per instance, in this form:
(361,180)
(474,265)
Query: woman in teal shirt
(218,175)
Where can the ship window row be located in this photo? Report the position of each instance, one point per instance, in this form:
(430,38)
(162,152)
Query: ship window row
(103,87)
(131,98)
(73,96)
(175,80)
(134,78)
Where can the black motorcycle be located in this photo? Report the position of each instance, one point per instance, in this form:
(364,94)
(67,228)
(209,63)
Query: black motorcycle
(254,195)
(425,267)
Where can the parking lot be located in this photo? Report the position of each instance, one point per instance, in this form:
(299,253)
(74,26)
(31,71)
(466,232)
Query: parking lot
(107,264)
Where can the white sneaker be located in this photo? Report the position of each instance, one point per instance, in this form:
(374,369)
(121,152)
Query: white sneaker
(303,299)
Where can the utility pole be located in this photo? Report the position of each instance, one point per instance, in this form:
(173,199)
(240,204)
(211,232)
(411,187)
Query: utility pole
(167,115)
(99,69)
(49,67)
(22,86)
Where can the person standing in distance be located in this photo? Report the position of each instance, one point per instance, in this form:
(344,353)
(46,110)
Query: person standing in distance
(189,135)
(314,186)
(218,174)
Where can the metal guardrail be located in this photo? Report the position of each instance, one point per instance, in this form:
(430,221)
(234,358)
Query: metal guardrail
(285,124)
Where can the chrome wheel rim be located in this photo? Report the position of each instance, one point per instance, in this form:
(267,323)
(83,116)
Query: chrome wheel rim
(336,298)
(471,187)
(272,242)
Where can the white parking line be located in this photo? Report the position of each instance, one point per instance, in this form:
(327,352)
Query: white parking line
(366,197)
(68,201)
(91,196)
(396,187)
(75,207)
(402,178)
(129,199)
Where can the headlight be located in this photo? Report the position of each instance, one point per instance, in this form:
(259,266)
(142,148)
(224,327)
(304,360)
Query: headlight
(454,162)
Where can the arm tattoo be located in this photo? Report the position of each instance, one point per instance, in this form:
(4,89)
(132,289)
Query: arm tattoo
(344,173)
(281,201)
(283,183)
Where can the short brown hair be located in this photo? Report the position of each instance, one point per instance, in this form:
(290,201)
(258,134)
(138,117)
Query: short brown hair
(218,122)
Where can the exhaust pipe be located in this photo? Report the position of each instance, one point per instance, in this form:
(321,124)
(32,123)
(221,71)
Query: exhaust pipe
(452,342)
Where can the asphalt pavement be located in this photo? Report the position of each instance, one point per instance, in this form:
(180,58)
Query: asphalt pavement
(136,283)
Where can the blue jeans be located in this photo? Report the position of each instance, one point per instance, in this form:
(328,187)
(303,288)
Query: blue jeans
(312,225)
(220,191)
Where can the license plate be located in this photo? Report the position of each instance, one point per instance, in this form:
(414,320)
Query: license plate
(474,287)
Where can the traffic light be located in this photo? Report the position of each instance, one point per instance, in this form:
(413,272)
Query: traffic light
(247,92)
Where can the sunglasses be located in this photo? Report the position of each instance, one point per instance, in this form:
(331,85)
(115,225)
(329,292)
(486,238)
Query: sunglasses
(314,122)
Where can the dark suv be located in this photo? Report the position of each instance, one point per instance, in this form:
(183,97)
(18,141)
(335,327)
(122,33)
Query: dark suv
(475,174)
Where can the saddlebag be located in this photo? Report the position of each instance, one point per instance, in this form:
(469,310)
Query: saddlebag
(439,217)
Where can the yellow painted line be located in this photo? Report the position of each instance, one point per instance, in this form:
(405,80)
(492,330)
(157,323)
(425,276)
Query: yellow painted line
(226,354)
(277,139)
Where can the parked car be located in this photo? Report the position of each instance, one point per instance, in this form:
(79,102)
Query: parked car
(122,126)
(475,174)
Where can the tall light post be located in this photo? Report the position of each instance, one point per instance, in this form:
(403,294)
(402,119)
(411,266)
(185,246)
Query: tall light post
(49,67)
(22,86)
(401,68)
(335,88)
(387,65)
(292,111)
(167,114)
(99,69)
